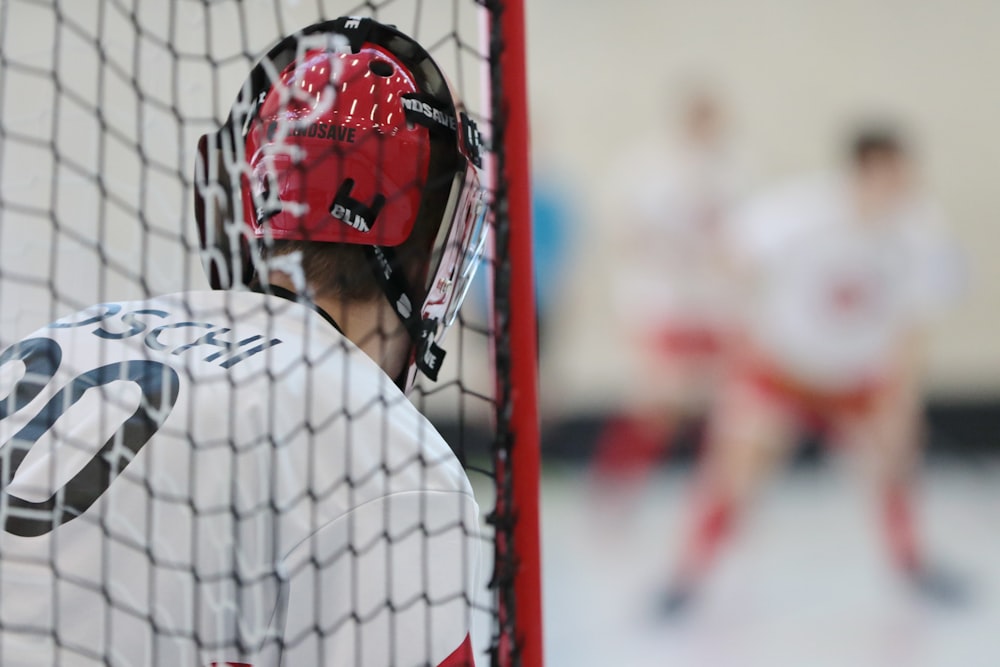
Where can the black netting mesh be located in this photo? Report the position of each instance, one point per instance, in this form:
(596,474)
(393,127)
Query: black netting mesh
(130,536)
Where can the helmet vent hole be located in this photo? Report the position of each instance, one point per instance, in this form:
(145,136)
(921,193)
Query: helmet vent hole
(381,68)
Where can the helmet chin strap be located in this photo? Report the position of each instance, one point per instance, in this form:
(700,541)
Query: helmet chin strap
(427,353)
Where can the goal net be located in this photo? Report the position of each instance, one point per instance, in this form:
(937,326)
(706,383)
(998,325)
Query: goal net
(102,104)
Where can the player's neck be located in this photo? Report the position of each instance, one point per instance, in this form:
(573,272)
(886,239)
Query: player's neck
(375,328)
(371,325)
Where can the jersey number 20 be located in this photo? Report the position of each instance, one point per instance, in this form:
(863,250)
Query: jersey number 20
(41,356)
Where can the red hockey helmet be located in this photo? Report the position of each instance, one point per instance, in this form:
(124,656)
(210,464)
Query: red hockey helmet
(348,132)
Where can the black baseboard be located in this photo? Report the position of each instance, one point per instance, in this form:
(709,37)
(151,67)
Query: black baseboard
(956,428)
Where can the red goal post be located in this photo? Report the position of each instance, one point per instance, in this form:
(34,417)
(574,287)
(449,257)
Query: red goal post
(517,341)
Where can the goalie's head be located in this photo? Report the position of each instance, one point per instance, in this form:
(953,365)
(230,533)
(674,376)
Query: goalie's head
(348,133)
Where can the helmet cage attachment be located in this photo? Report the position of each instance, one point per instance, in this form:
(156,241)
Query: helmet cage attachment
(254,179)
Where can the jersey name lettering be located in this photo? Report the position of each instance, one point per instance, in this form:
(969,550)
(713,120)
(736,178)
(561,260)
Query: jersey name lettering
(115,325)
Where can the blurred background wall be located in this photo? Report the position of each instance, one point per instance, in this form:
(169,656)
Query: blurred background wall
(795,76)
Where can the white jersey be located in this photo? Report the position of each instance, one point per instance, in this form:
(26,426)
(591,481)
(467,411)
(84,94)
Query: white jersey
(832,295)
(216,478)
(670,205)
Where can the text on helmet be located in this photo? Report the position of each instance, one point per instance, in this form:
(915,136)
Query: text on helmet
(318,130)
(436,115)
(352,218)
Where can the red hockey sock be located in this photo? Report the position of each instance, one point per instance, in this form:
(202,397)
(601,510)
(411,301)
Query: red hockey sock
(629,448)
(714,521)
(900,527)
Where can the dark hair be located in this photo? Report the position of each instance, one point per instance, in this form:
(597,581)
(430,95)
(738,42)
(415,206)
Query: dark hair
(876,142)
(332,269)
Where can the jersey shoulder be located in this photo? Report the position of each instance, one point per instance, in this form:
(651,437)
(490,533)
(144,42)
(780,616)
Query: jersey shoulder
(765,223)
(282,373)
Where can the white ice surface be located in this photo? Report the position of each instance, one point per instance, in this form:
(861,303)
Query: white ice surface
(805,581)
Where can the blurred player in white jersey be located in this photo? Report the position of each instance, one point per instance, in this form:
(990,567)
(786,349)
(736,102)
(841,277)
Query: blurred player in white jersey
(672,291)
(235,477)
(841,275)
